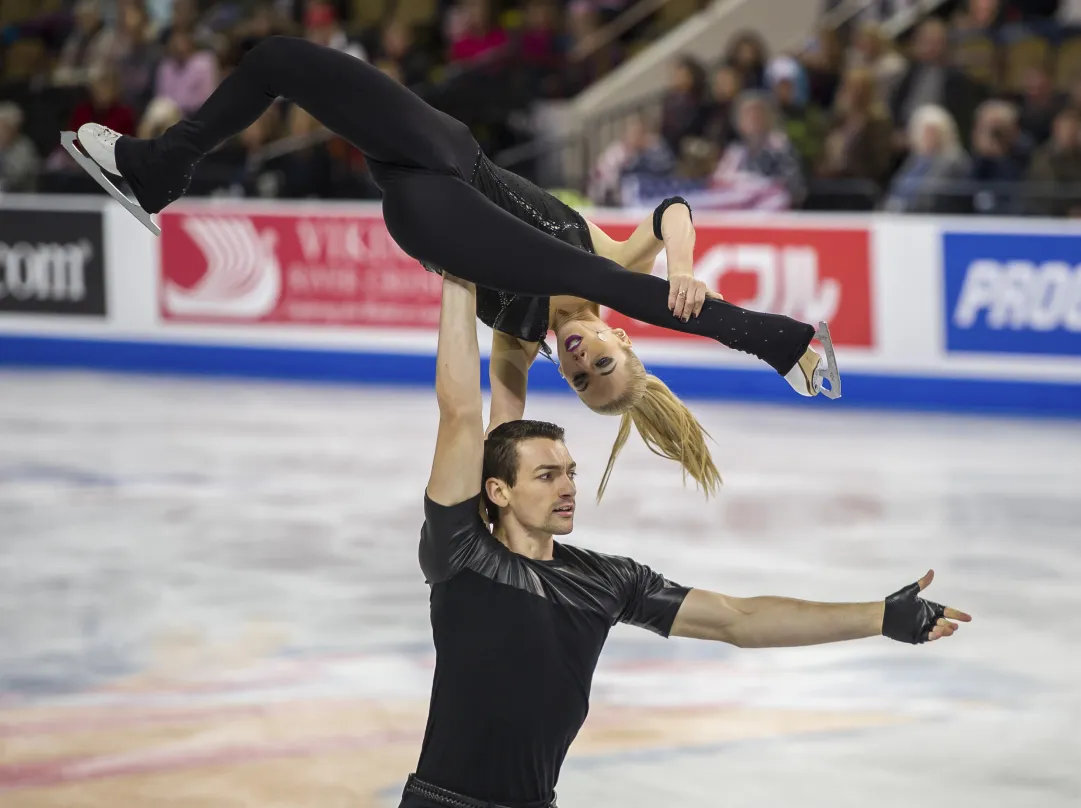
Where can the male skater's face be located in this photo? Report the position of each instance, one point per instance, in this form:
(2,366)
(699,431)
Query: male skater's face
(542,497)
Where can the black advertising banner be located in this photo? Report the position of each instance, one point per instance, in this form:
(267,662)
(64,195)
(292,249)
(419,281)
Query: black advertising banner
(52,262)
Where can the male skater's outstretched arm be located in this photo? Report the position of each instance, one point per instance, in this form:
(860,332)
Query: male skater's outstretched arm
(459,446)
(775,622)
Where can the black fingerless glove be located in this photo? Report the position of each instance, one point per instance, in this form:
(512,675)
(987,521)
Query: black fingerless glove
(909,618)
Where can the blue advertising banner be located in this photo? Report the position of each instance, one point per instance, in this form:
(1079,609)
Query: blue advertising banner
(1013,293)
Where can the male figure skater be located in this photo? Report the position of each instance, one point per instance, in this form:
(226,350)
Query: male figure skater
(519,620)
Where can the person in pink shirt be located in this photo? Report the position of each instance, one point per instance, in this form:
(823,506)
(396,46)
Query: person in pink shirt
(477,36)
(539,40)
(186,76)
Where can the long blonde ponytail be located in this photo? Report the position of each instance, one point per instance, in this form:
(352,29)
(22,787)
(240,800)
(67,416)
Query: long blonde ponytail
(665,423)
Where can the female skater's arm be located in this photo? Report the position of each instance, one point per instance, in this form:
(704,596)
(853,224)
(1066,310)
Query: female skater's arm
(639,252)
(459,447)
(686,297)
(508,372)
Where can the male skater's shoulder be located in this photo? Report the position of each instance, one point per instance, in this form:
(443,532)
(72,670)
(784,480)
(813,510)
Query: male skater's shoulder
(641,596)
(453,538)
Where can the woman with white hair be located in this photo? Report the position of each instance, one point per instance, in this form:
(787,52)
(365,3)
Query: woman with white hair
(19,161)
(921,185)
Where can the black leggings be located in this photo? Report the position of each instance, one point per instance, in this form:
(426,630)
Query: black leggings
(423,160)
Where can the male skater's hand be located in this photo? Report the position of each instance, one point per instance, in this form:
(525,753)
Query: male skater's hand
(909,618)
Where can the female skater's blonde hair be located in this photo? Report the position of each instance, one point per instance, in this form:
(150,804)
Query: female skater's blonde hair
(665,423)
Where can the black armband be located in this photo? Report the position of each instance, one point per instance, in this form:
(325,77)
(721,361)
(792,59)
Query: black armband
(661,208)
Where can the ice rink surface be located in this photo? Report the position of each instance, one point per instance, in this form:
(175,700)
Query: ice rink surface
(209,596)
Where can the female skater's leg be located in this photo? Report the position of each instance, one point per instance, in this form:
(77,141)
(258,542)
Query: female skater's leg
(350,97)
(444,221)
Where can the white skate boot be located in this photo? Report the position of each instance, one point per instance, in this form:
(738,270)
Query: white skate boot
(807,375)
(99,144)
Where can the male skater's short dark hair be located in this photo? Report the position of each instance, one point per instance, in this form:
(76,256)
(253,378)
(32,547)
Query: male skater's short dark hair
(501,453)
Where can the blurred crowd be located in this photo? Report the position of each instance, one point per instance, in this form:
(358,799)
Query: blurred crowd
(137,66)
(974,110)
(977,110)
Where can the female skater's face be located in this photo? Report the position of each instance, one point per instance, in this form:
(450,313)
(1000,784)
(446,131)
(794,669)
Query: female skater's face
(592,359)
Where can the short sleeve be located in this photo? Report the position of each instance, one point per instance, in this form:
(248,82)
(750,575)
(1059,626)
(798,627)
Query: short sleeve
(650,600)
(452,535)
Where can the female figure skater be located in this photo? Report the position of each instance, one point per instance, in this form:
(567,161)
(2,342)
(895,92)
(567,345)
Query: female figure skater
(538,262)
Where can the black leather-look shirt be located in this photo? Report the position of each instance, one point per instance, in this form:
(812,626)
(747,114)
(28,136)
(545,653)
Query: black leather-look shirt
(517,641)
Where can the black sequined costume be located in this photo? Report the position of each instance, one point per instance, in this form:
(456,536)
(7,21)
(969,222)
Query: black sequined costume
(522,316)
(444,202)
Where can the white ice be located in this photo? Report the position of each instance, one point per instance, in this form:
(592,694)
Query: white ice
(280,523)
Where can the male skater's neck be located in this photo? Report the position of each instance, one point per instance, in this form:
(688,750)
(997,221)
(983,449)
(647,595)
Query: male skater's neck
(535,544)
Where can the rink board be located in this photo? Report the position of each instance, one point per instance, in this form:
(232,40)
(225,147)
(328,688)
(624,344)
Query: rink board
(927,313)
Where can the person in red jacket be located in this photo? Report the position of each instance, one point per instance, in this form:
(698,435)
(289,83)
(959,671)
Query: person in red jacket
(104,104)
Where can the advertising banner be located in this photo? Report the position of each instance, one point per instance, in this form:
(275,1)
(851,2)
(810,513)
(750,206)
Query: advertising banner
(290,268)
(1012,293)
(810,274)
(52,262)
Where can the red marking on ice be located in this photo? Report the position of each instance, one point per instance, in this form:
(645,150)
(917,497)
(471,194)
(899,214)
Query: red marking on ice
(62,771)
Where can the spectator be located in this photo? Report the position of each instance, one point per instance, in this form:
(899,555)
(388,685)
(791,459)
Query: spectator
(1055,173)
(802,122)
(538,42)
(585,64)
(186,76)
(719,128)
(762,166)
(822,59)
(858,147)
(937,159)
(89,44)
(321,26)
(979,17)
(747,54)
(873,50)
(186,17)
(930,81)
(264,23)
(135,54)
(160,114)
(1074,98)
(474,33)
(999,158)
(104,105)
(1069,14)
(685,105)
(398,45)
(19,161)
(640,151)
(1039,105)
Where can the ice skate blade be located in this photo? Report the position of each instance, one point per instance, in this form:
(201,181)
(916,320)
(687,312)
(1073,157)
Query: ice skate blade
(67,140)
(832,375)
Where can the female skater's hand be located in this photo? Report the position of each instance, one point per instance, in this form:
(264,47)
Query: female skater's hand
(686,296)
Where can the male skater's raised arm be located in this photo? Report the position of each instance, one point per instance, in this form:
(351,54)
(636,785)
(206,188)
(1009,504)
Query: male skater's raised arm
(459,446)
(454,534)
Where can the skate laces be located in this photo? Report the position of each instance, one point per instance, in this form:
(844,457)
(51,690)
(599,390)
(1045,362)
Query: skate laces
(108,136)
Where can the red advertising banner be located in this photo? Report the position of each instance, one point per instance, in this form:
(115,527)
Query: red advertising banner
(810,274)
(311,269)
(345,270)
